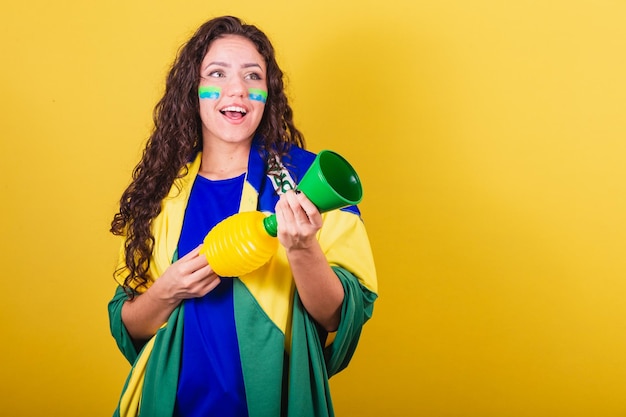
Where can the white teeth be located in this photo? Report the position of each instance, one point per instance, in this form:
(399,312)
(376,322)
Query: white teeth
(235,108)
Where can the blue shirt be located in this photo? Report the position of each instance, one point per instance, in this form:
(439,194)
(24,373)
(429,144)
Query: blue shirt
(211,379)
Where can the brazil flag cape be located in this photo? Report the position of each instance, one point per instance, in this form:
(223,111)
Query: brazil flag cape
(286,357)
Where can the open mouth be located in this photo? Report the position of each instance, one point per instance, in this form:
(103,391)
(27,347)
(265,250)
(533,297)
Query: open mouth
(234,112)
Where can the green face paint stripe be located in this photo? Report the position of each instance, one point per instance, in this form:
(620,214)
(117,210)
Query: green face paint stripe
(209,92)
(257,94)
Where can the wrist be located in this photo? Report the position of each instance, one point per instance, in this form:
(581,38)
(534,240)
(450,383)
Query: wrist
(163,294)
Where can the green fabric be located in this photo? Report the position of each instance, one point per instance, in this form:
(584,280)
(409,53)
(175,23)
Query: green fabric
(356,310)
(161,381)
(310,364)
(119,332)
(159,390)
(262,353)
(303,375)
(278,382)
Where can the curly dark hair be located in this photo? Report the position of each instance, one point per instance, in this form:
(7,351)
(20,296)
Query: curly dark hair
(177,137)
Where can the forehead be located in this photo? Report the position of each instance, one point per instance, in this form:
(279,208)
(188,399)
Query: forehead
(230,48)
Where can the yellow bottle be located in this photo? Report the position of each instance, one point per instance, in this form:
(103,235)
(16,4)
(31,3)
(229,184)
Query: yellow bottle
(240,243)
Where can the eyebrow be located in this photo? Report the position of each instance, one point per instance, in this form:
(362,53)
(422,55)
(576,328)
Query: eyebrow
(227,65)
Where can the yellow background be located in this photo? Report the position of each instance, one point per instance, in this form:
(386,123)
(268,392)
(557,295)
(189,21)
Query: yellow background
(490,138)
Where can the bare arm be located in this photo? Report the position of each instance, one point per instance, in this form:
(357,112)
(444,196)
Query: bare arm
(319,288)
(189,277)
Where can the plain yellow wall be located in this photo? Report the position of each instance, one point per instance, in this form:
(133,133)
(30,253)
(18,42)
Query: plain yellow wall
(490,138)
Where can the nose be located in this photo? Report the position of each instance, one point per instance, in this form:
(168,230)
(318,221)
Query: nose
(236,88)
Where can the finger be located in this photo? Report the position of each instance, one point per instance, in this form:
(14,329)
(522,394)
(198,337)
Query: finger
(198,261)
(307,206)
(284,212)
(295,205)
(188,266)
(211,286)
(201,276)
(192,253)
(200,283)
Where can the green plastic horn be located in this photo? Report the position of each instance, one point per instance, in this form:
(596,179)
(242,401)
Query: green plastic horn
(330,183)
(245,241)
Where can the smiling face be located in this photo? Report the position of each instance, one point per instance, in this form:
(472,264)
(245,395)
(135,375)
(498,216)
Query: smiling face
(232,91)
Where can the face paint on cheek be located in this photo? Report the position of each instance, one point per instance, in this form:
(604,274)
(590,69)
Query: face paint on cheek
(257,94)
(209,92)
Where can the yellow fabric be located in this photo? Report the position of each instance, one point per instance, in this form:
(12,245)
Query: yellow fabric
(131,397)
(346,244)
(272,286)
(343,239)
(166,227)
(275,297)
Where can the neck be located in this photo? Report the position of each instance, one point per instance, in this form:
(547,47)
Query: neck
(227,162)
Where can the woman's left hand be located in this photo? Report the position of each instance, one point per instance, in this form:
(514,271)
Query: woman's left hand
(298,221)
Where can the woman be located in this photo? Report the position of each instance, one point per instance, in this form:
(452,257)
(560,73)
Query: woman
(263,344)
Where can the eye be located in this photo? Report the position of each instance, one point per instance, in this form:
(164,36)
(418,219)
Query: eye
(216,74)
(253,76)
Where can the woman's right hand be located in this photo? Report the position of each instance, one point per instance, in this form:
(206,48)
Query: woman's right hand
(189,277)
